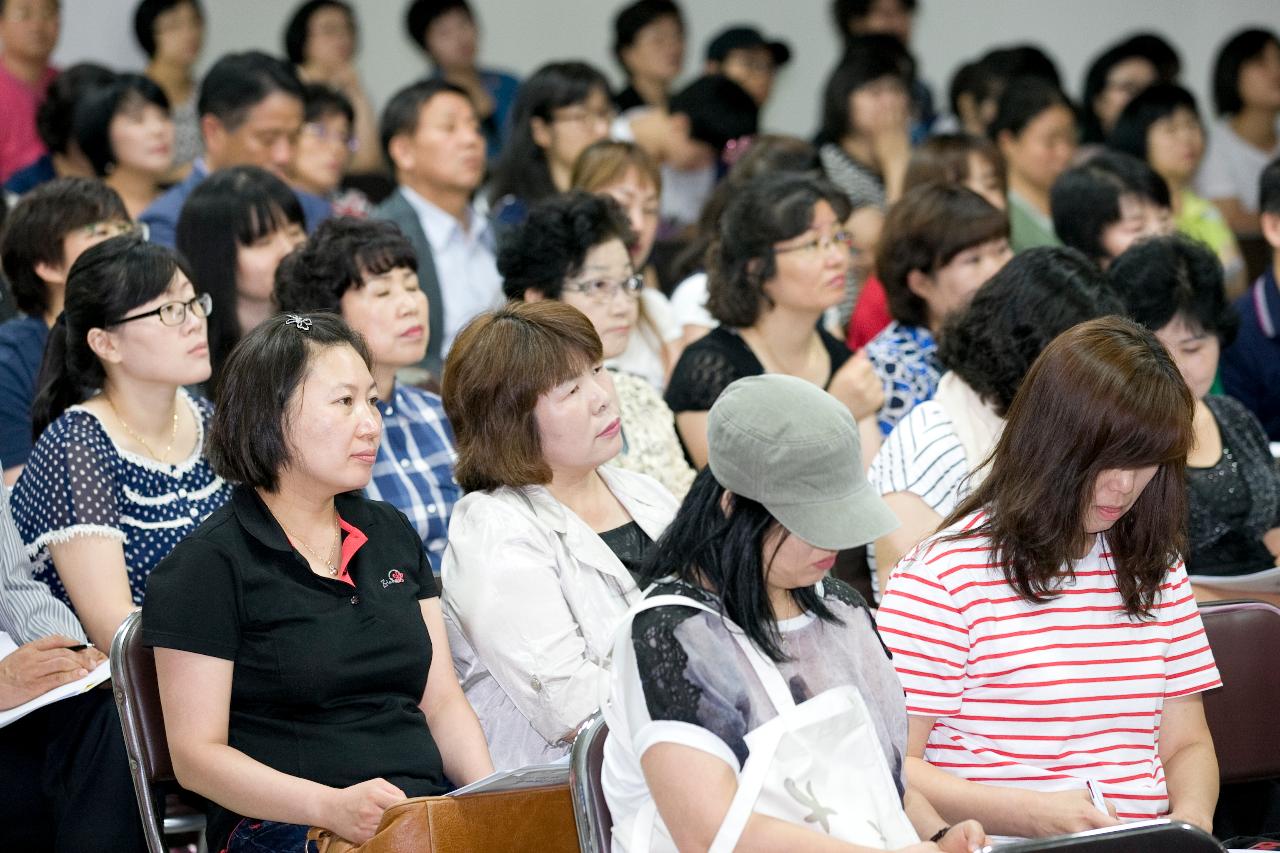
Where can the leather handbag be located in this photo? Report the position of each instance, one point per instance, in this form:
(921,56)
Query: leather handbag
(532,819)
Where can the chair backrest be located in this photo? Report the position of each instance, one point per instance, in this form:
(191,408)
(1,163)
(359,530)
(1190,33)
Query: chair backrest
(1148,836)
(133,679)
(1245,638)
(590,811)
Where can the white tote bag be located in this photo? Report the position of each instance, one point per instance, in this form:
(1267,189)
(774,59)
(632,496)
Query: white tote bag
(818,764)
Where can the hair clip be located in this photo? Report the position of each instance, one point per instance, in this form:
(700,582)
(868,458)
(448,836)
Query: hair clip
(735,148)
(303,323)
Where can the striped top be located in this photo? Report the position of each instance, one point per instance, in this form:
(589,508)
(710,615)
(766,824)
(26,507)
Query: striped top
(28,610)
(1042,696)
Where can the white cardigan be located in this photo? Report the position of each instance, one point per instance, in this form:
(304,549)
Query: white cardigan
(532,598)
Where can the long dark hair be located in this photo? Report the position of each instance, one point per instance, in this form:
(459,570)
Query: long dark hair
(1103,395)
(728,550)
(105,283)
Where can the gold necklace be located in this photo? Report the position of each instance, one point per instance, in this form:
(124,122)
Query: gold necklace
(331,565)
(173,435)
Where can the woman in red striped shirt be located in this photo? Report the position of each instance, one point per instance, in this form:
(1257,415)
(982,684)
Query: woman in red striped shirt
(1047,636)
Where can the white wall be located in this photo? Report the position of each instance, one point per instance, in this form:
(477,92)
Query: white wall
(522,34)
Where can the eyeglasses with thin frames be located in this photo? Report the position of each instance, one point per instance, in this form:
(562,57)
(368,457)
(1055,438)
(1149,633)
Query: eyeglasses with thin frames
(821,244)
(175,313)
(601,290)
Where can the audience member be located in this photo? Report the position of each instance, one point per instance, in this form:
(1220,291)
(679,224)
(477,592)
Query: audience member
(365,271)
(324,151)
(1035,129)
(648,42)
(1246,97)
(118,474)
(43,236)
(560,109)
(320,40)
(235,229)
(938,246)
(447,32)
(29,32)
(742,629)
(865,139)
(55,119)
(977,86)
(780,260)
(431,136)
(1173,286)
(250,115)
(1107,204)
(305,675)
(1251,365)
(936,455)
(1074,537)
(63,767)
(747,58)
(1161,125)
(573,248)
(125,132)
(171,34)
(543,548)
(854,18)
(1114,77)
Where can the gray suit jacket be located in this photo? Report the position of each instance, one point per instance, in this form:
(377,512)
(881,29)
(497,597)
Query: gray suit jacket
(397,209)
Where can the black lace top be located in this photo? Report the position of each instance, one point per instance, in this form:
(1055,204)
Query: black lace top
(1235,502)
(630,544)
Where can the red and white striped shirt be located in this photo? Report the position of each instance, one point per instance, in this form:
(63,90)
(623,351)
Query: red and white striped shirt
(1042,696)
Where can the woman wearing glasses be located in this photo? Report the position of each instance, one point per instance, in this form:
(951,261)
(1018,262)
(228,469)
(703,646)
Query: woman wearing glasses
(118,474)
(780,258)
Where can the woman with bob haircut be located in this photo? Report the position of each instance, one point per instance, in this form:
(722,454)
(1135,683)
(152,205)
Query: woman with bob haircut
(960,160)
(1108,203)
(779,260)
(235,228)
(740,627)
(573,248)
(1047,636)
(1173,286)
(302,660)
(542,548)
(125,132)
(935,455)
(365,271)
(939,244)
(118,473)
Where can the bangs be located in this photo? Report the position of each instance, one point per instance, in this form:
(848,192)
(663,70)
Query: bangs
(557,355)
(380,257)
(973,221)
(1143,422)
(151,271)
(793,213)
(266,212)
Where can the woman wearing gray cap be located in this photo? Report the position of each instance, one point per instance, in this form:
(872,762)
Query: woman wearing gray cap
(752,702)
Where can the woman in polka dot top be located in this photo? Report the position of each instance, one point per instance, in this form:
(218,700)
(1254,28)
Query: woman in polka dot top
(118,474)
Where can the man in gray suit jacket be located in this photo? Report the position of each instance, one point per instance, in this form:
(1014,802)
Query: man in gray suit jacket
(432,139)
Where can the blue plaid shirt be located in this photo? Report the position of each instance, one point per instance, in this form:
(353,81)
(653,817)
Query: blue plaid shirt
(414,468)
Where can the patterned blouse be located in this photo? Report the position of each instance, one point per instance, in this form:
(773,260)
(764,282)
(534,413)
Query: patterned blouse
(649,441)
(906,360)
(79,483)
(863,186)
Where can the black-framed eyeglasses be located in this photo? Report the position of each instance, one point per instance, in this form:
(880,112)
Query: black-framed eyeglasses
(600,290)
(175,313)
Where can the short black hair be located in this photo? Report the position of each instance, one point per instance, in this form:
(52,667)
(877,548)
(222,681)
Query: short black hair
(866,59)
(247,440)
(36,227)
(1243,47)
(1162,54)
(97,109)
(239,81)
(553,241)
(1095,79)
(320,101)
(55,117)
(1035,297)
(1167,277)
(1156,102)
(1022,100)
(767,209)
(1020,60)
(631,19)
(421,14)
(144,20)
(719,110)
(1269,188)
(401,113)
(341,254)
(1085,200)
(843,11)
(295,32)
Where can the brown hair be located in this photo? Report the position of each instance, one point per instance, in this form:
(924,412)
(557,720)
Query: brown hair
(924,231)
(607,162)
(1103,395)
(497,368)
(944,159)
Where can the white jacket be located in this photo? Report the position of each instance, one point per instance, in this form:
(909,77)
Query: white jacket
(532,597)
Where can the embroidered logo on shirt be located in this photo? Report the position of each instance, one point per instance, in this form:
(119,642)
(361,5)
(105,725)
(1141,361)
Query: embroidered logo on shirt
(393,576)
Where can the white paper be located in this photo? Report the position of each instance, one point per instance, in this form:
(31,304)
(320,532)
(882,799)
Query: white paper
(100,673)
(534,776)
(1267,580)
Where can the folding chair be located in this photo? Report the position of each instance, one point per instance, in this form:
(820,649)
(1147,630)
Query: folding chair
(590,811)
(133,679)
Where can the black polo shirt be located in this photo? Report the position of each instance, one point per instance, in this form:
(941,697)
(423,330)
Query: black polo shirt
(328,676)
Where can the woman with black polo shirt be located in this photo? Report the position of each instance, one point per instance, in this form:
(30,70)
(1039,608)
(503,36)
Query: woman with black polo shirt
(302,660)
